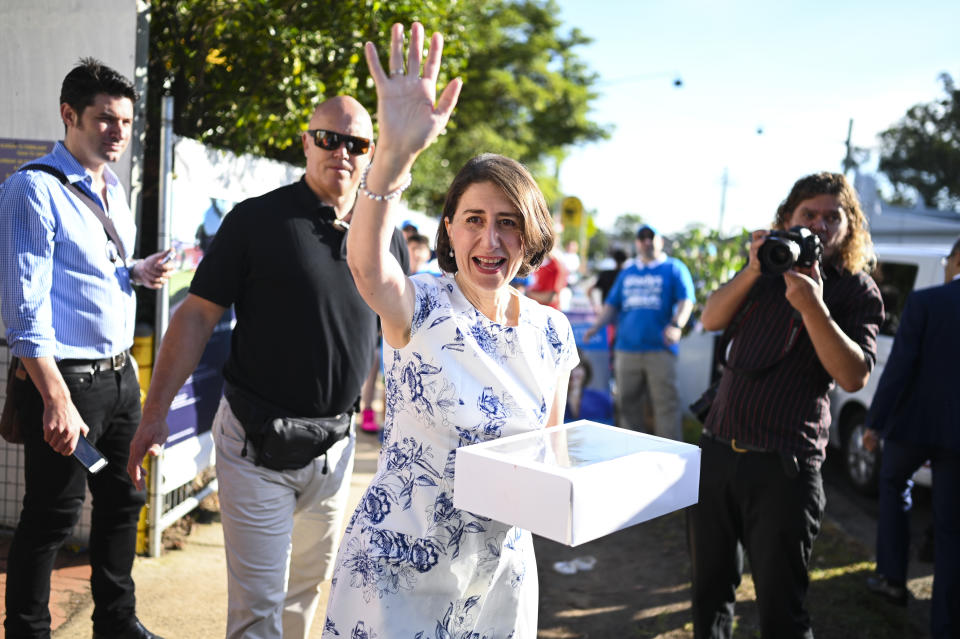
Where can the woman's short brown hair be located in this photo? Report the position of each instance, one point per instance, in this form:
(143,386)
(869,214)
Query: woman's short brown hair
(856,251)
(521,189)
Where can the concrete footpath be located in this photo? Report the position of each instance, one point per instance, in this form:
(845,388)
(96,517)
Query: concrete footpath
(183,593)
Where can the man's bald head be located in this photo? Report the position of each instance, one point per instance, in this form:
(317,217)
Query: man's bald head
(346,111)
(335,174)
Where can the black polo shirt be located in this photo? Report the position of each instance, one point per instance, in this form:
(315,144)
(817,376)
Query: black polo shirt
(787,408)
(304,339)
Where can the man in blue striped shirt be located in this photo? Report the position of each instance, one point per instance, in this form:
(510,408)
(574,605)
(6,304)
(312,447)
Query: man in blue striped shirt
(68,306)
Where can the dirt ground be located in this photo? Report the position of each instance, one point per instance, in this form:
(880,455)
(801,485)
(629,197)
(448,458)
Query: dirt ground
(638,585)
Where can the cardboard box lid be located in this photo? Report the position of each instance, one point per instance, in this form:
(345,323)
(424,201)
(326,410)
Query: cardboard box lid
(578,444)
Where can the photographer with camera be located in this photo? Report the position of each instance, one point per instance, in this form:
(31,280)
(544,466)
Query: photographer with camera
(806,315)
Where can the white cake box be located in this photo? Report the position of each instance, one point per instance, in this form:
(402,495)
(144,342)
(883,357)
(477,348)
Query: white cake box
(576,482)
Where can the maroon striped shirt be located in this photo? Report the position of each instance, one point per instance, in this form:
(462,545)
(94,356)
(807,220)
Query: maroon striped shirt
(786,408)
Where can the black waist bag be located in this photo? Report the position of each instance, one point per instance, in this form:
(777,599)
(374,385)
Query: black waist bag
(284,442)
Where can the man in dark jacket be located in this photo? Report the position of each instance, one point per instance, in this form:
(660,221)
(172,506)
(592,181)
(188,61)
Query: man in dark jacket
(916,411)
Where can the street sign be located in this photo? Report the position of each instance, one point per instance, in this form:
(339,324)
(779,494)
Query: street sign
(571,212)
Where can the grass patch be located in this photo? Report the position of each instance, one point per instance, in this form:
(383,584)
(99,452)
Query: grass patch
(838,602)
(178,282)
(692,429)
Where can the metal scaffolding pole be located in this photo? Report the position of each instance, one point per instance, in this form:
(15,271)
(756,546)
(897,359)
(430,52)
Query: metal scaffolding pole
(154,496)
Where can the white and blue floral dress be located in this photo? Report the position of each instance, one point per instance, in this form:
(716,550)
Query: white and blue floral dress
(411,565)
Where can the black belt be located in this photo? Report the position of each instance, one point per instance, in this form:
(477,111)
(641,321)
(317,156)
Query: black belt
(735,446)
(113,363)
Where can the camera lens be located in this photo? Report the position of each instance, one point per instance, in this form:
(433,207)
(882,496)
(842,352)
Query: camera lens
(780,254)
(777,254)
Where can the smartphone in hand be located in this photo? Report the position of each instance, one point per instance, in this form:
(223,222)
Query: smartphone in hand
(87,454)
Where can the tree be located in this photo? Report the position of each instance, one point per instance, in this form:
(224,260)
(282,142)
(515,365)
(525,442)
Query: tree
(625,229)
(246,75)
(921,153)
(711,258)
(526,95)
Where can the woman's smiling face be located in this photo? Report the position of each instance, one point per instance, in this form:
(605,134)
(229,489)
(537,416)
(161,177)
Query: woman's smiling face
(486,234)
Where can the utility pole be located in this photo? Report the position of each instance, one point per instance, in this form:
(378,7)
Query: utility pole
(848,161)
(723,199)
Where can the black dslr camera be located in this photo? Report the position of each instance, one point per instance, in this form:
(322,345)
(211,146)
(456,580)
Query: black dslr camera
(781,250)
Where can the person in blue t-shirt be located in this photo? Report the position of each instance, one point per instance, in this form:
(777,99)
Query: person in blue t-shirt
(651,302)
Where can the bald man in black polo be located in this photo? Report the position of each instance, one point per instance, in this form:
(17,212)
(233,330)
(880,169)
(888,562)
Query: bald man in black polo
(301,348)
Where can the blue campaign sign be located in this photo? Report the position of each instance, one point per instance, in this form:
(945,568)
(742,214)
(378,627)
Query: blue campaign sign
(195,404)
(580,321)
(596,343)
(594,353)
(192,410)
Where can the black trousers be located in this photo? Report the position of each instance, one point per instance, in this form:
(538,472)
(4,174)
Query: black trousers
(900,461)
(109,403)
(754,503)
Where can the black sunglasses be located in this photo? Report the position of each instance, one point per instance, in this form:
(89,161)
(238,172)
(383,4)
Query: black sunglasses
(645,235)
(330,141)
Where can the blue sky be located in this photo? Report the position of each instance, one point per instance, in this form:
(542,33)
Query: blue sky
(799,71)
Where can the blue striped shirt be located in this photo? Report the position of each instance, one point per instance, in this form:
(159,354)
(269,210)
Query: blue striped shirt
(60,294)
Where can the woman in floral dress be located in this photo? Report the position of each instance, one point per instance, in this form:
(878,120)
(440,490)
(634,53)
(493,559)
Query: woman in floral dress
(466,359)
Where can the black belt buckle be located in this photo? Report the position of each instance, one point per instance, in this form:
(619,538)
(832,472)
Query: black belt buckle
(736,449)
(732,443)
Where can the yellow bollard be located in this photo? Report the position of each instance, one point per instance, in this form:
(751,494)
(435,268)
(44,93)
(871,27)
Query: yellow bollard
(142,352)
(143,527)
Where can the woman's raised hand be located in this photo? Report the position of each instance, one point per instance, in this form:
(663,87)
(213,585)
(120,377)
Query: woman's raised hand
(409,115)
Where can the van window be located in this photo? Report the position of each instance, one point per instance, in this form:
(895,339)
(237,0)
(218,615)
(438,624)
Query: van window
(896,281)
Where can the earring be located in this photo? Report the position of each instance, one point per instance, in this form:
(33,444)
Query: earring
(451,253)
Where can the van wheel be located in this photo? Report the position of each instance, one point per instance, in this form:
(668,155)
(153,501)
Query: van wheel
(862,466)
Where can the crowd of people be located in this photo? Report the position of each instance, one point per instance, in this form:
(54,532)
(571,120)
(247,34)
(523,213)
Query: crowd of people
(475,346)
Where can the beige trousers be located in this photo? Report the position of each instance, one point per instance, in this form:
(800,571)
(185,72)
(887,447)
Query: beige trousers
(280,530)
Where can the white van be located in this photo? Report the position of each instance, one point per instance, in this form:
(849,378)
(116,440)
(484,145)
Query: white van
(901,268)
